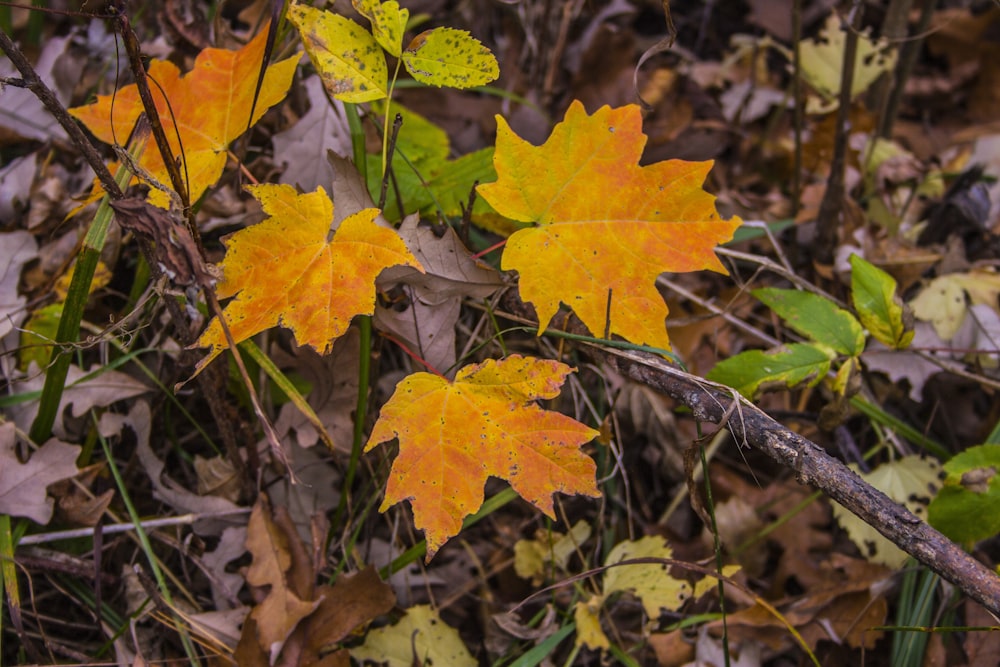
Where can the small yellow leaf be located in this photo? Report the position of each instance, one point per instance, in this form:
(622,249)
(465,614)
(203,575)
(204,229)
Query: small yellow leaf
(651,582)
(942,303)
(388,22)
(709,583)
(531,556)
(347,57)
(420,638)
(450,57)
(588,624)
(823,57)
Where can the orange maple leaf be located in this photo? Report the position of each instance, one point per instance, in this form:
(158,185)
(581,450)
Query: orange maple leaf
(285,271)
(208,108)
(454,435)
(604,227)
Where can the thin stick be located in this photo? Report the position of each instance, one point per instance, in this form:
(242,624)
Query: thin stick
(183,520)
(45,95)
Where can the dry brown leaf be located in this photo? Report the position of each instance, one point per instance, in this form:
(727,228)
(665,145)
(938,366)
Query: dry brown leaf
(24,486)
(282,609)
(352,602)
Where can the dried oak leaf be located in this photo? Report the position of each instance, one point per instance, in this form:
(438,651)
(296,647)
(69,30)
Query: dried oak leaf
(208,108)
(603,228)
(24,486)
(454,435)
(285,270)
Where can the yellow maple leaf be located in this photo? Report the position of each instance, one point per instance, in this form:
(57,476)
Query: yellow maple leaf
(603,227)
(202,111)
(285,271)
(454,435)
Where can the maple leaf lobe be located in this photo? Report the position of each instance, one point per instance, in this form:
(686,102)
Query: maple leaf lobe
(454,435)
(285,271)
(601,253)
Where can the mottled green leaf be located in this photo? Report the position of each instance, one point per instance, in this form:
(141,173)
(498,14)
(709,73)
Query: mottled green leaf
(878,306)
(967,508)
(816,318)
(388,22)
(449,57)
(755,370)
(347,57)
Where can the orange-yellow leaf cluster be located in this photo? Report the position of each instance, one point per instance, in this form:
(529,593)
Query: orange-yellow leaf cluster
(604,227)
(285,271)
(202,111)
(454,435)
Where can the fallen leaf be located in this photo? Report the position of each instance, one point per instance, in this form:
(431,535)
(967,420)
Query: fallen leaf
(22,113)
(24,486)
(420,638)
(285,270)
(651,582)
(168,490)
(351,603)
(426,324)
(84,391)
(603,227)
(911,481)
(531,557)
(450,270)
(17,248)
(303,147)
(282,609)
(823,57)
(454,435)
(202,111)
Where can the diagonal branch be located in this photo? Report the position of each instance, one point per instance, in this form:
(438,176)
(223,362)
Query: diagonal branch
(751,426)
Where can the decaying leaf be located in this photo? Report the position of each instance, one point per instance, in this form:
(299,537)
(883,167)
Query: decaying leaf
(454,435)
(911,481)
(420,638)
(347,57)
(303,147)
(603,227)
(84,391)
(433,298)
(822,61)
(283,608)
(531,557)
(24,486)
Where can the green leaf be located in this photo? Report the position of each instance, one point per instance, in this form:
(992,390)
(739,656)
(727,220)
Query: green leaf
(347,57)
(388,22)
(967,508)
(449,57)
(755,370)
(424,177)
(881,310)
(816,318)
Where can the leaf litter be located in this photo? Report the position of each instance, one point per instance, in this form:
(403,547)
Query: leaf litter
(722,99)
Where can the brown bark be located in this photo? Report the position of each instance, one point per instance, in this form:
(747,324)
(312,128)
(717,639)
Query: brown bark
(752,427)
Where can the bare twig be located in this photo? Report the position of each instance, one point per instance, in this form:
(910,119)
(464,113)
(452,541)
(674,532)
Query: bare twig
(45,95)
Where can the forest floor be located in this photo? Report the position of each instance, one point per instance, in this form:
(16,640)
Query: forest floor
(241,561)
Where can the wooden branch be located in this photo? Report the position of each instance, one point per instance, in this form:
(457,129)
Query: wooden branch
(751,426)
